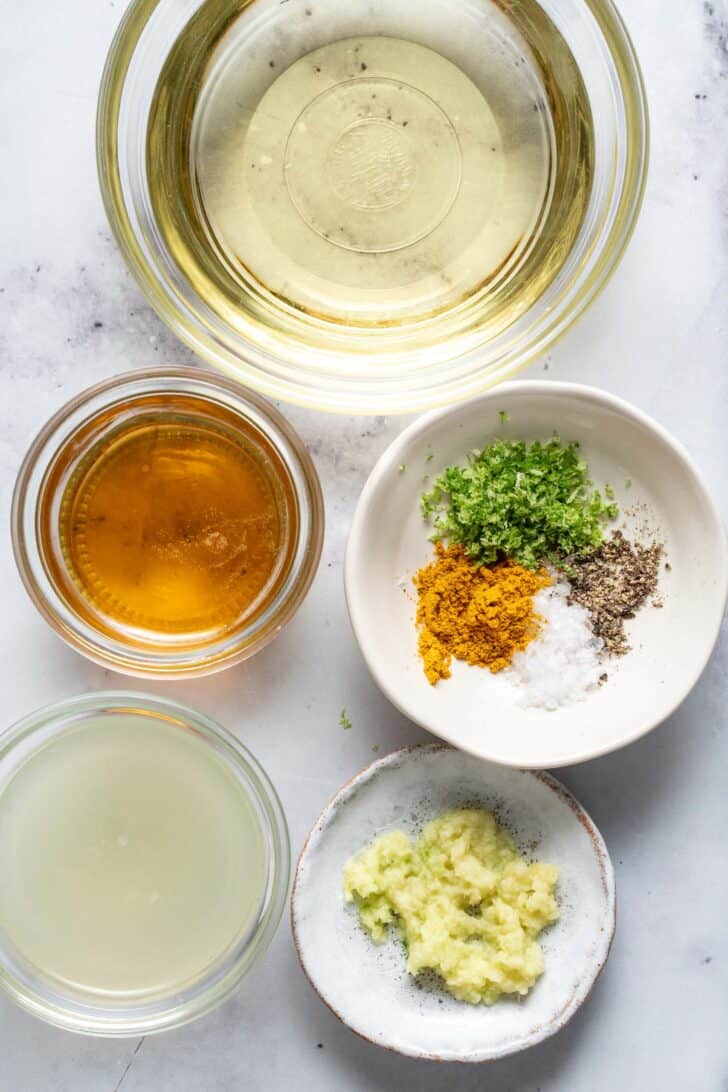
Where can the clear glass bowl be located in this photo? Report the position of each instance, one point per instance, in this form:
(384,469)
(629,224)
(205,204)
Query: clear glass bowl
(269,336)
(83,1011)
(87,420)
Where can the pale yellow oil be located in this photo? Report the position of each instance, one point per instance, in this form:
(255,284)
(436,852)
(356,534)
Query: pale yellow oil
(370,180)
(132,860)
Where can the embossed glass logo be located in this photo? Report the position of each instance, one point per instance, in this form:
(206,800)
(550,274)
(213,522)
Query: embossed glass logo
(371,165)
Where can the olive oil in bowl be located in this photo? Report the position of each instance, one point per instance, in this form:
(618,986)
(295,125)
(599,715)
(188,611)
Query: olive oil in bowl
(355,184)
(372,206)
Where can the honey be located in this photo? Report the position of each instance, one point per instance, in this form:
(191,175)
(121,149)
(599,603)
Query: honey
(176,526)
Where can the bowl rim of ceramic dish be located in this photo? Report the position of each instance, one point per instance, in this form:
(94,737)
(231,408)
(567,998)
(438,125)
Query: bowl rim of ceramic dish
(298,371)
(392,457)
(566,1014)
(111,651)
(26,985)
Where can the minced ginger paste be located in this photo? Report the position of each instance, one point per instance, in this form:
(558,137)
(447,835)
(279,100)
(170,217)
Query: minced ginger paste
(465,903)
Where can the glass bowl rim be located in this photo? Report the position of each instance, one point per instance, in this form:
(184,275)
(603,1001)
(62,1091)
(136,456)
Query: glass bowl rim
(270,371)
(89,640)
(214,987)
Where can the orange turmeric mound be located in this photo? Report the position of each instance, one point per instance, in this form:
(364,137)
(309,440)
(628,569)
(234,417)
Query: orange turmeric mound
(477,613)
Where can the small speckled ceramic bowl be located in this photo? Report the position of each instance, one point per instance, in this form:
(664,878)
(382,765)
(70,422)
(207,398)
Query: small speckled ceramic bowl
(366,985)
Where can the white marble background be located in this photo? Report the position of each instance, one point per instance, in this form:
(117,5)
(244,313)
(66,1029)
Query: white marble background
(70,315)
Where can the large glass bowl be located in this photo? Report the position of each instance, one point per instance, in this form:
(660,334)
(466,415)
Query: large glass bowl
(296,353)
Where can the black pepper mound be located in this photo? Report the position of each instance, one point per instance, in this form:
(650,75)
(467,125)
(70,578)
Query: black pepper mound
(612,583)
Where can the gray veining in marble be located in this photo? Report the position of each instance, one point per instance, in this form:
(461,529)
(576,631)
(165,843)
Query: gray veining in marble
(70,315)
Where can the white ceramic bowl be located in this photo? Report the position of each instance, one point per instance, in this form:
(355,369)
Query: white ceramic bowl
(389,542)
(366,985)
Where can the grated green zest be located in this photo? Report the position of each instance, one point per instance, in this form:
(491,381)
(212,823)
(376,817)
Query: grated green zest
(528,502)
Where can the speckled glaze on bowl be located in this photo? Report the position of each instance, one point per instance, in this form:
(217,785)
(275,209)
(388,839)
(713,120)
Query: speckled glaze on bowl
(366,986)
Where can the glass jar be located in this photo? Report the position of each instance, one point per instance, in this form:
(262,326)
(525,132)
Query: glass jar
(93,418)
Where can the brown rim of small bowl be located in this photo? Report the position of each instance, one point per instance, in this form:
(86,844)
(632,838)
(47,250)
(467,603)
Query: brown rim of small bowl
(566,1014)
(88,640)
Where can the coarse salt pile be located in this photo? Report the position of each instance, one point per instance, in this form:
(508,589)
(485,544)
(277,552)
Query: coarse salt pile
(563,664)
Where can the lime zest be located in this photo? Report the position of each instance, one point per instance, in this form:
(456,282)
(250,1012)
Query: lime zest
(531,502)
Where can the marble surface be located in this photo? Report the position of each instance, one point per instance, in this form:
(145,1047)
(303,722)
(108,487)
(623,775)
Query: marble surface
(69,315)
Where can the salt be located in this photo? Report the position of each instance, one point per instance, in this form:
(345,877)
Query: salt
(563,664)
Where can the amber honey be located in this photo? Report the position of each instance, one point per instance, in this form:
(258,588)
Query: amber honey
(175,526)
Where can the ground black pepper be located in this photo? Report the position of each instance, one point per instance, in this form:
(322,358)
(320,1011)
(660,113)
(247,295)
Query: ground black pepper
(612,583)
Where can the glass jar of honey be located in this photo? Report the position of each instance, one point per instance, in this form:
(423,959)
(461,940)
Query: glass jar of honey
(167,522)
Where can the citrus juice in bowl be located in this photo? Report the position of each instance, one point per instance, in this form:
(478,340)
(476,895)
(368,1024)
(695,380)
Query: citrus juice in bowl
(146,862)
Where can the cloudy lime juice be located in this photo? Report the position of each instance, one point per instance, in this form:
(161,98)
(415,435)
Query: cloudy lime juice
(132,857)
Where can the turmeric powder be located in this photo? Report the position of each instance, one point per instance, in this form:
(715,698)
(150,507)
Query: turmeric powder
(479,614)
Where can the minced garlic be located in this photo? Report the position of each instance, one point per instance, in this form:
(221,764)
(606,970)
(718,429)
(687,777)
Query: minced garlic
(466,904)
